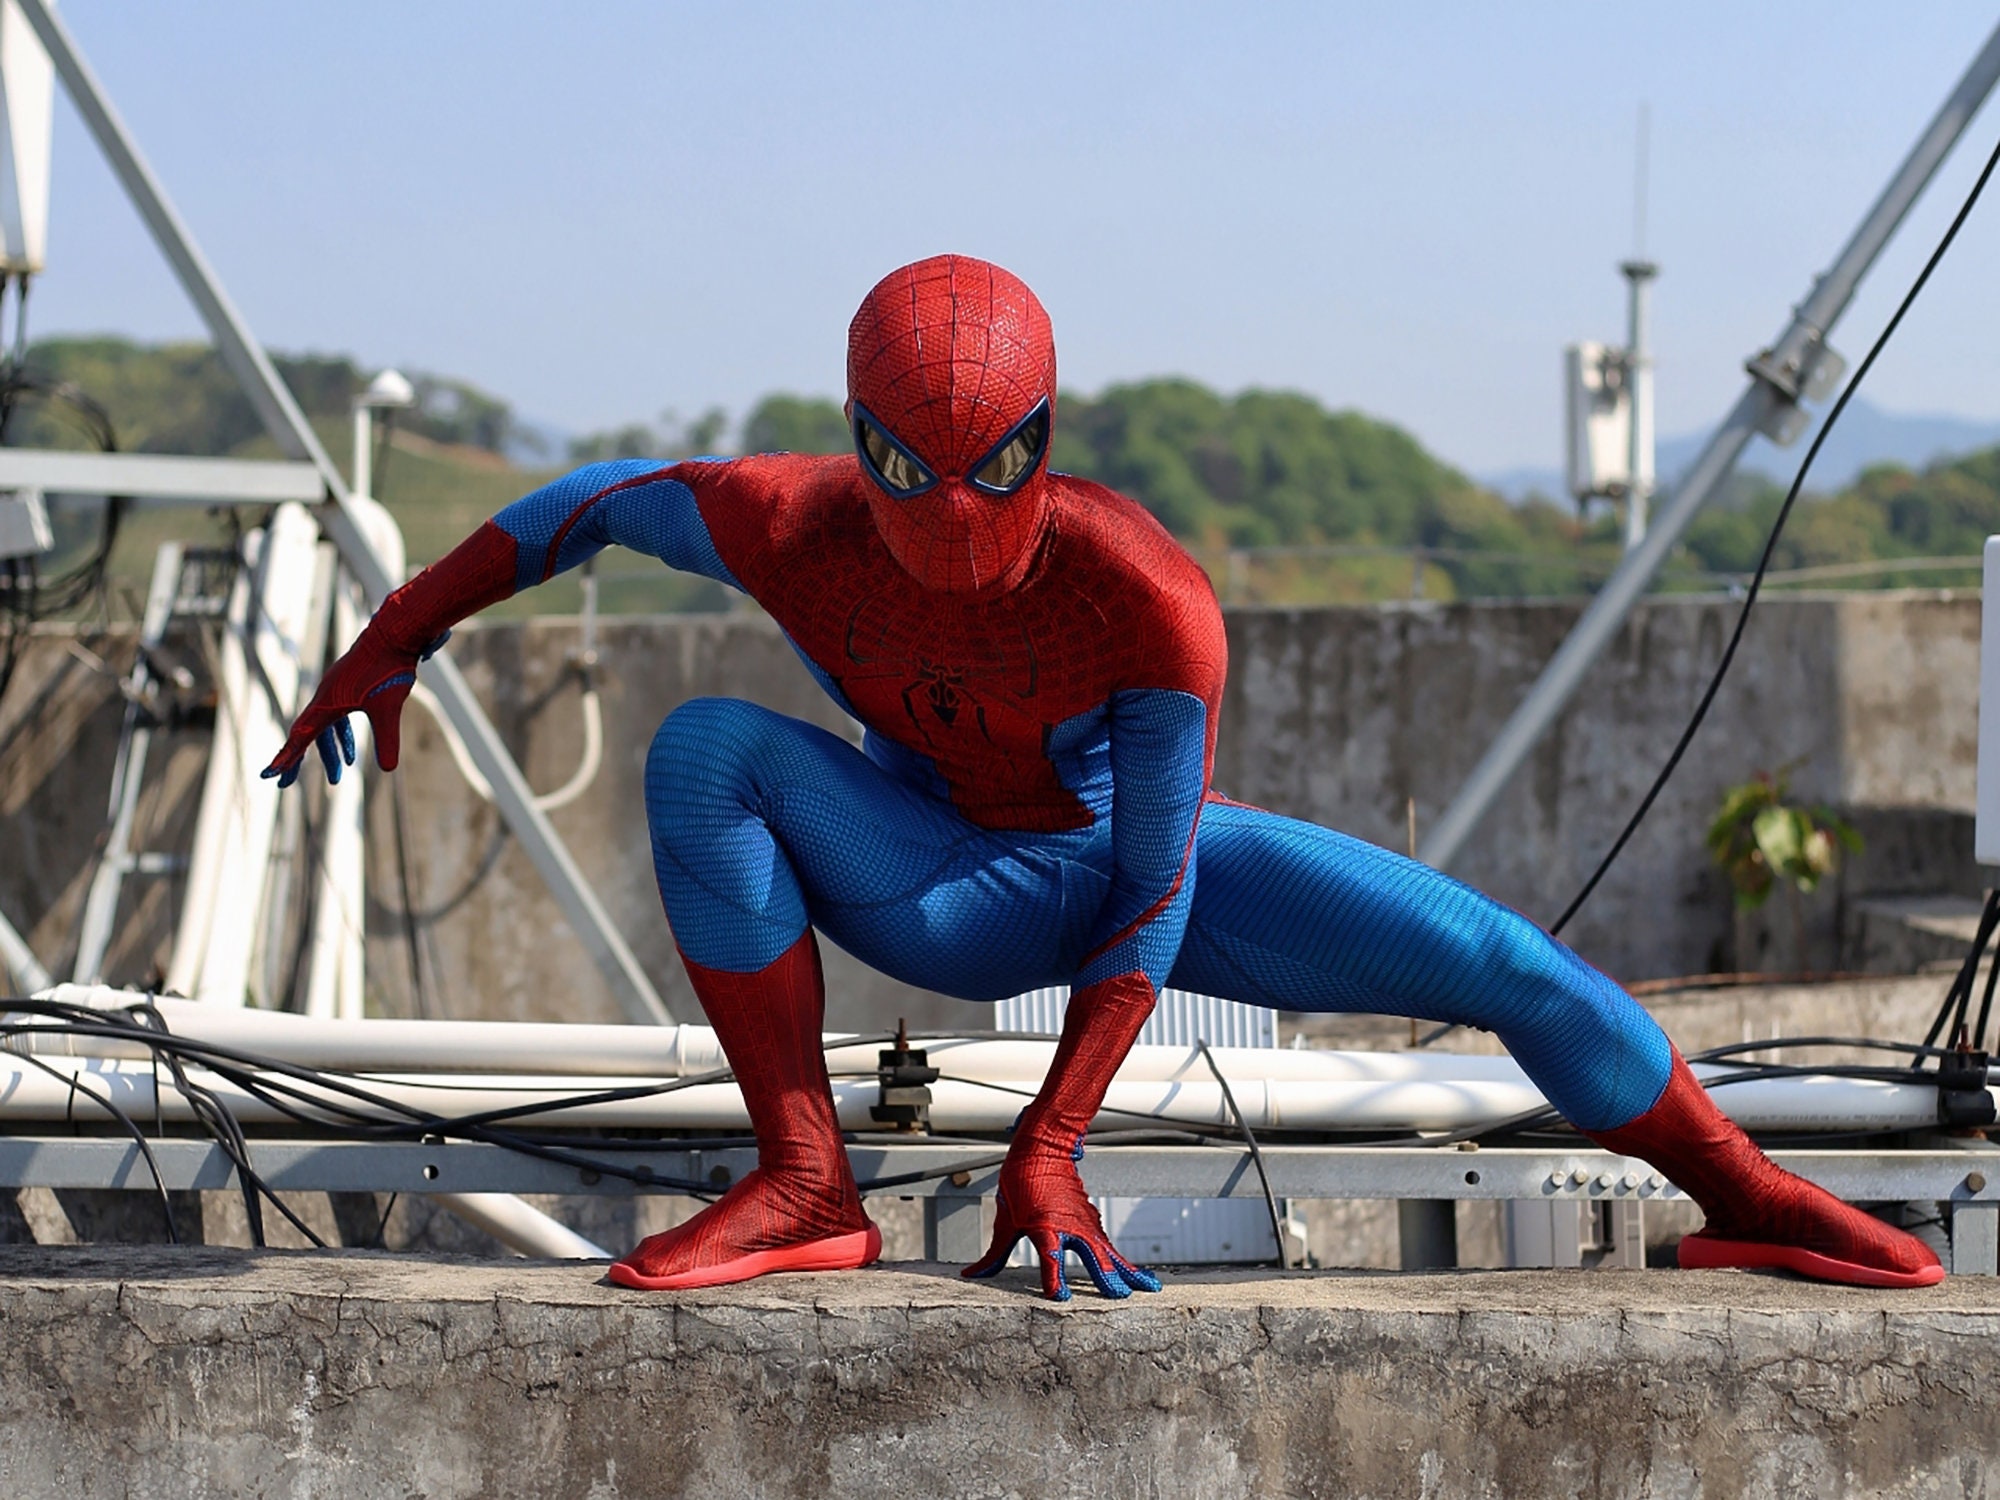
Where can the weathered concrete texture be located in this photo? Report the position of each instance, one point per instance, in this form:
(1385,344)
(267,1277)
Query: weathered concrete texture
(143,1372)
(1341,715)
(1336,715)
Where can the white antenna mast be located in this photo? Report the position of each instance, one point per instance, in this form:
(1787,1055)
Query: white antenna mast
(1638,272)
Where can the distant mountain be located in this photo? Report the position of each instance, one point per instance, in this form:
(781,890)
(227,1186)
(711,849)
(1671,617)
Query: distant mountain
(1867,435)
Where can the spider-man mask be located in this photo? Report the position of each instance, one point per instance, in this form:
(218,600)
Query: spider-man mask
(951,385)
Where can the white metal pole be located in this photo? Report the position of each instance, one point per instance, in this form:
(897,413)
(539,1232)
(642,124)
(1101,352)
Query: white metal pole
(1639,387)
(364,454)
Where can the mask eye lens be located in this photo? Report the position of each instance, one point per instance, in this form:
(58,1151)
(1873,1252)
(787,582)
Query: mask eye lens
(1011,462)
(899,473)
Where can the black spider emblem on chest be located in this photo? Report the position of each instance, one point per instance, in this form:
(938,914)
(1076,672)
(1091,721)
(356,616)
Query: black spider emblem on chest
(987,674)
(940,686)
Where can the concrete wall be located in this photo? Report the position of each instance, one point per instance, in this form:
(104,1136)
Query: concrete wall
(144,1372)
(1337,715)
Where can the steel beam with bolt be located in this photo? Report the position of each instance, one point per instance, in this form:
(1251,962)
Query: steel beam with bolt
(1962,1176)
(1798,363)
(1959,1174)
(288,427)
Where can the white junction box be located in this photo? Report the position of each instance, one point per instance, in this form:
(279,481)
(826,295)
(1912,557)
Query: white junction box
(24,524)
(1986,826)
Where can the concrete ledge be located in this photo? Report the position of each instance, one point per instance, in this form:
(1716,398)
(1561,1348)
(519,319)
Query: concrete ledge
(143,1371)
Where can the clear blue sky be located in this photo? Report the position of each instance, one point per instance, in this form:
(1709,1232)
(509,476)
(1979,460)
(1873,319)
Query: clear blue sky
(599,211)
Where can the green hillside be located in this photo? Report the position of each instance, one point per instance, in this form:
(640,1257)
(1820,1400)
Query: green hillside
(1283,500)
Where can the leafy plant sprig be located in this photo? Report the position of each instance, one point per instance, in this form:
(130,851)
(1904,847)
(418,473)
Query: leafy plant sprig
(1759,838)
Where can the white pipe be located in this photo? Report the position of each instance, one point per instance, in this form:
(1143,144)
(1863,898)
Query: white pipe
(339,914)
(271,609)
(562,796)
(524,1230)
(377,1045)
(1296,1088)
(677,1051)
(1268,1104)
(335,986)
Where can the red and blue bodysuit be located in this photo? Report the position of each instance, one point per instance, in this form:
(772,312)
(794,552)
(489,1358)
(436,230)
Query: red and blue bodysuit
(1038,667)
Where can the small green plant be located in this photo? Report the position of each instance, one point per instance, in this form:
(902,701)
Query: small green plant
(1759,838)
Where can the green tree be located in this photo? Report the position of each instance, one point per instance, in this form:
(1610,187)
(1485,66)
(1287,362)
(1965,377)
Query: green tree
(453,411)
(669,438)
(796,424)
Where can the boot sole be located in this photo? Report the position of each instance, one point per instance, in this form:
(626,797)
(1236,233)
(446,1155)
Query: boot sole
(1701,1252)
(841,1252)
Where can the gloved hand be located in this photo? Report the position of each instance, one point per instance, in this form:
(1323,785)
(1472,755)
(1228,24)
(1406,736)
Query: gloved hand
(373,677)
(376,673)
(1041,1195)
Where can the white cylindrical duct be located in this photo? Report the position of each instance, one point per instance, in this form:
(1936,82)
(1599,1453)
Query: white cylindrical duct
(661,1052)
(964,1104)
(524,1230)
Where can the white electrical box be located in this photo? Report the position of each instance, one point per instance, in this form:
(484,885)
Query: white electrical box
(1597,405)
(24,525)
(1986,824)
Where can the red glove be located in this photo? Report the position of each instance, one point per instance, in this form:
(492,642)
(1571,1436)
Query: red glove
(376,673)
(1041,1195)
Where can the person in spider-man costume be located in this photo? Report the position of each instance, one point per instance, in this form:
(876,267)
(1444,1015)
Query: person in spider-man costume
(1039,668)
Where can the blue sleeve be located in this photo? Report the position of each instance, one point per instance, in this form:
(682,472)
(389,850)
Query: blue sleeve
(630,501)
(1159,775)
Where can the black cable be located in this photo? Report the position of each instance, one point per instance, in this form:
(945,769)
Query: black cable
(25,597)
(1985,1007)
(1859,1043)
(227,1132)
(1977,1037)
(1961,984)
(1771,547)
(229,1063)
(131,1127)
(1096,1140)
(1256,1156)
(215,1119)
(280,1079)
(401,821)
(1110,1109)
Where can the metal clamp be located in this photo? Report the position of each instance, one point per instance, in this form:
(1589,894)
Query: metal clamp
(1802,366)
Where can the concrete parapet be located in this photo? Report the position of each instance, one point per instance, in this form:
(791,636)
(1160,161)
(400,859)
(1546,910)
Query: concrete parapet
(145,1371)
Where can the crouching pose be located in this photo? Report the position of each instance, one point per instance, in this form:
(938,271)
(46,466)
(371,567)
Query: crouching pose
(1038,666)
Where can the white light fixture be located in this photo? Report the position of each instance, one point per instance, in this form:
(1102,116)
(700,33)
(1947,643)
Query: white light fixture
(388,390)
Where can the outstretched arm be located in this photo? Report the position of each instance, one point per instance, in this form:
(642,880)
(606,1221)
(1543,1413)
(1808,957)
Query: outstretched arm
(637,503)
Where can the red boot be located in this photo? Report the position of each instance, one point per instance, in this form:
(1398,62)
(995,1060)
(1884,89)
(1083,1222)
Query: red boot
(1759,1214)
(799,1210)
